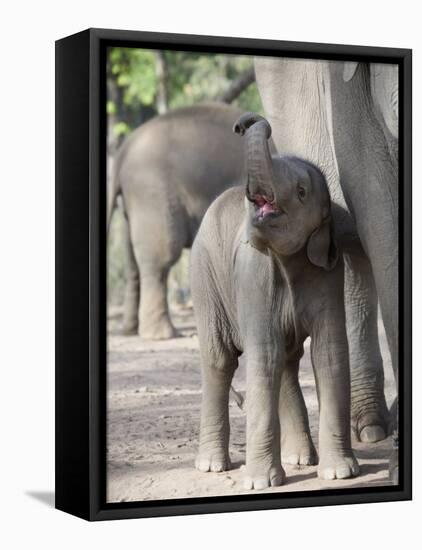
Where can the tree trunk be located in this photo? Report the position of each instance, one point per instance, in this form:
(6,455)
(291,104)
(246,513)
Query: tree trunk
(114,94)
(162,78)
(237,86)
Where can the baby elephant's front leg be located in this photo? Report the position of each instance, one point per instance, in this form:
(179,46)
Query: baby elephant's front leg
(263,464)
(213,454)
(331,365)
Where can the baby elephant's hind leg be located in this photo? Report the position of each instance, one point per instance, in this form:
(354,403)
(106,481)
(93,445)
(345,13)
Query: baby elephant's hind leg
(217,374)
(296,442)
(331,368)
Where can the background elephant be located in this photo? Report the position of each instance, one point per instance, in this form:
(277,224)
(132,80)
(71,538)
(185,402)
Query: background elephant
(343,117)
(168,172)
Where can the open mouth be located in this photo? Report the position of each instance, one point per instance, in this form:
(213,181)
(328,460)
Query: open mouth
(264,208)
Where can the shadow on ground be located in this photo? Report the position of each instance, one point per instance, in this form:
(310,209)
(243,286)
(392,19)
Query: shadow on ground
(45,497)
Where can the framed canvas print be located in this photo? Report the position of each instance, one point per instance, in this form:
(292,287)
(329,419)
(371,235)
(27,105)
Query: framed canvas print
(233,275)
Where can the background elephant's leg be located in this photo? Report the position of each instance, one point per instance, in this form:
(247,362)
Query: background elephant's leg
(155,323)
(217,374)
(154,262)
(369,413)
(132,287)
(296,441)
(158,235)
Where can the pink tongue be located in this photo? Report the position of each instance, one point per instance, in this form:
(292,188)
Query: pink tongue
(266,208)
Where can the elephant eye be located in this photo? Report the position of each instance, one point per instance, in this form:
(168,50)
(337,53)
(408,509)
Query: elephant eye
(301,192)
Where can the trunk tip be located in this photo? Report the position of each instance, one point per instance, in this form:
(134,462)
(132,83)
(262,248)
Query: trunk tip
(247,120)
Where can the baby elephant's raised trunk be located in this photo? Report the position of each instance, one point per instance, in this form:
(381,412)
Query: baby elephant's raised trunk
(257,131)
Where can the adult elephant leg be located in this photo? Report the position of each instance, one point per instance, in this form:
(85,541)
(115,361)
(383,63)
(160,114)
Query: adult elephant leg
(132,288)
(154,259)
(369,178)
(296,441)
(385,269)
(155,323)
(369,413)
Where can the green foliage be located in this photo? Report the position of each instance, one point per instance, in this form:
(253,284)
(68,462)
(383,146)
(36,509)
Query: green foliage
(191,77)
(134,72)
(111,107)
(249,100)
(121,128)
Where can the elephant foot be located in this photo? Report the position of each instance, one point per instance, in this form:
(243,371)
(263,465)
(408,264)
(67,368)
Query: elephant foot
(127,330)
(372,434)
(161,331)
(370,415)
(371,427)
(338,466)
(298,450)
(217,461)
(262,478)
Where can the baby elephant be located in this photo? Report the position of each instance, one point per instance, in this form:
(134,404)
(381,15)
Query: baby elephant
(266,274)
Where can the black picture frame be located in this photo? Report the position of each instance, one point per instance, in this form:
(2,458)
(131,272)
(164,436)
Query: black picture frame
(81,274)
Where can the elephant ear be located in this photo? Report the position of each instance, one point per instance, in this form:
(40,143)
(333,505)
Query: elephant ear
(321,249)
(349,69)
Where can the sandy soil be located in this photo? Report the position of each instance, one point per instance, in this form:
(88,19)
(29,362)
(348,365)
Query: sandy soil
(153,422)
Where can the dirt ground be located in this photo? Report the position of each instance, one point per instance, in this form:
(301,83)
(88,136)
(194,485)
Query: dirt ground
(154,393)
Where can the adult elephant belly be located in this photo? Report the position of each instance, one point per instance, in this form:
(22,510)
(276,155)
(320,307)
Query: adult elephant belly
(169,171)
(297,101)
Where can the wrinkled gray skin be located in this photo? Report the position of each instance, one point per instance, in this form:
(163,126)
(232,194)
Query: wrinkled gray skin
(168,172)
(343,117)
(265,275)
